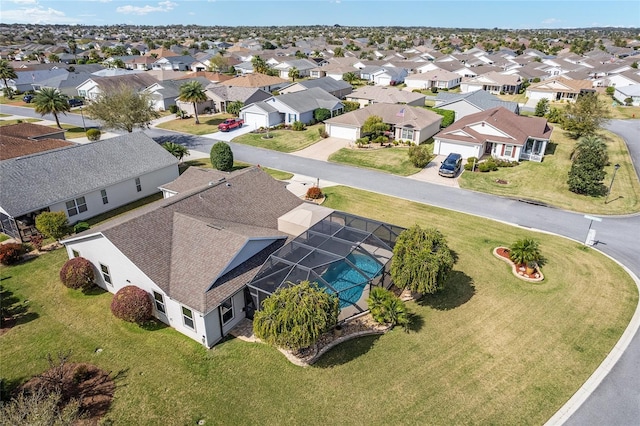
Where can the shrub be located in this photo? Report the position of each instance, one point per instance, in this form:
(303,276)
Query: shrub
(419,156)
(471,163)
(298,126)
(10,253)
(362,141)
(381,140)
(94,134)
(52,224)
(524,251)
(314,193)
(77,273)
(610,90)
(387,308)
(80,226)
(448,116)
(221,157)
(321,114)
(323,133)
(132,304)
(173,109)
(37,240)
(350,106)
(434,89)
(207,110)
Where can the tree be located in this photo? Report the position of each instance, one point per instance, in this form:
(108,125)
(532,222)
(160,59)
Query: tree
(296,316)
(52,224)
(293,73)
(49,100)
(321,114)
(193,92)
(7,73)
(338,52)
(218,63)
(77,273)
(374,126)
(349,77)
(585,116)
(123,108)
(118,63)
(542,107)
(554,115)
(422,260)
(175,149)
(53,58)
(419,155)
(350,105)
(259,65)
(221,156)
(73,48)
(525,251)
(634,65)
(235,107)
(587,167)
(387,308)
(132,304)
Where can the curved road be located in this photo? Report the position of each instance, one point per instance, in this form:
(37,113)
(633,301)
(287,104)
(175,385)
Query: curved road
(616,401)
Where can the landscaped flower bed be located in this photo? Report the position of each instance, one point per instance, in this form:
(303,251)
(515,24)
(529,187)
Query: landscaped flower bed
(519,271)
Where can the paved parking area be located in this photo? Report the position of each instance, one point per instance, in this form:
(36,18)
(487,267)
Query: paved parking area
(228,136)
(323,149)
(430,174)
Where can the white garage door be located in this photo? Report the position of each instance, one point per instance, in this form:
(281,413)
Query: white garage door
(446,148)
(336,131)
(255,120)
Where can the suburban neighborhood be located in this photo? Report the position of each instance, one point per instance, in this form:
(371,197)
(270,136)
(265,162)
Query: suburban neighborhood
(353,212)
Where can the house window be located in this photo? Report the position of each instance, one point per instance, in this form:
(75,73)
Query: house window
(138,185)
(508,150)
(82,93)
(105,199)
(159,302)
(407,134)
(106,275)
(226,309)
(75,253)
(76,206)
(187,318)
(292,118)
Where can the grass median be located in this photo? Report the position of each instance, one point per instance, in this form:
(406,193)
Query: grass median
(489,349)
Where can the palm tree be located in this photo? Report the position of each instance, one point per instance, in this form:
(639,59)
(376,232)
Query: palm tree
(118,63)
(7,72)
(349,77)
(259,65)
(294,73)
(525,251)
(175,149)
(49,100)
(193,92)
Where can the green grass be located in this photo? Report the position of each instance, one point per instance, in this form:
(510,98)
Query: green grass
(208,124)
(547,181)
(491,349)
(4,115)
(393,160)
(206,163)
(23,120)
(123,209)
(283,140)
(71,132)
(4,237)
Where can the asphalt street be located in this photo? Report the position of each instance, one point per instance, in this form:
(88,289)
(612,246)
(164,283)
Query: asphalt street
(616,401)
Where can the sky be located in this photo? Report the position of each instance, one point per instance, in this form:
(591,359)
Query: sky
(513,14)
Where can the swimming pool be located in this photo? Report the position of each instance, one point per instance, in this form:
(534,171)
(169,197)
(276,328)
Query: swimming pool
(349,282)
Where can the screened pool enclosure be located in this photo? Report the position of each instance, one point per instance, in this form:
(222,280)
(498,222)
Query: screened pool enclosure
(343,253)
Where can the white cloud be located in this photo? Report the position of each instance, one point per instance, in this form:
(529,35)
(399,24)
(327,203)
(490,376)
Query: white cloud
(24,2)
(163,6)
(37,15)
(551,21)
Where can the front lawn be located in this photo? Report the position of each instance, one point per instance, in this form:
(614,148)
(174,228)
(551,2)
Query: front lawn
(392,160)
(206,164)
(208,124)
(20,120)
(491,349)
(283,140)
(546,182)
(71,131)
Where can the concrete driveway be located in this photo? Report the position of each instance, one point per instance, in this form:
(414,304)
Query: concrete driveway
(228,136)
(323,149)
(430,174)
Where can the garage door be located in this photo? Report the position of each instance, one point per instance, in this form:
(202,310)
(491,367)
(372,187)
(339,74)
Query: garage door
(446,148)
(255,120)
(341,132)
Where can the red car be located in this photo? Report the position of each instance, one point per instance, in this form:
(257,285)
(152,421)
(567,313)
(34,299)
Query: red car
(230,123)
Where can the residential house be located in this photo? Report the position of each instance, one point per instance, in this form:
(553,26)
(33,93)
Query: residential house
(497,132)
(338,88)
(94,86)
(221,96)
(304,67)
(367,95)
(388,76)
(625,93)
(464,104)
(81,180)
(453,66)
(19,140)
(142,63)
(165,93)
(175,63)
(558,89)
(438,79)
(492,82)
(260,81)
(406,123)
(66,83)
(622,79)
(296,106)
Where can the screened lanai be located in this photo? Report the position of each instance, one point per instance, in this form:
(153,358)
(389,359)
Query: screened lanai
(343,253)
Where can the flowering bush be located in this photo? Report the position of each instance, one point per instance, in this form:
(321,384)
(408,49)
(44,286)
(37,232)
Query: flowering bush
(77,273)
(132,304)
(314,193)
(10,253)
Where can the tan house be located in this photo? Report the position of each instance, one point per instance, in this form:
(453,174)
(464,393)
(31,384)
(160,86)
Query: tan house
(368,95)
(258,81)
(492,82)
(558,89)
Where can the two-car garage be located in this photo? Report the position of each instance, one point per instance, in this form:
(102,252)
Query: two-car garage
(442,147)
(342,131)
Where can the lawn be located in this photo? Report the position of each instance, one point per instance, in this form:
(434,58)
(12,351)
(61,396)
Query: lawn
(208,124)
(546,182)
(71,131)
(491,349)
(23,120)
(283,140)
(392,160)
(206,163)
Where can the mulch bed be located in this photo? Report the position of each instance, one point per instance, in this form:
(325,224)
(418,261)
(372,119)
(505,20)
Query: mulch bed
(521,269)
(90,385)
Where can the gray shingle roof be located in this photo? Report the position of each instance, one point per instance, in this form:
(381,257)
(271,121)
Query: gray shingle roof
(326,83)
(40,180)
(309,100)
(479,98)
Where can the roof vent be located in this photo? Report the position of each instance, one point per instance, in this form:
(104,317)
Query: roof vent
(228,184)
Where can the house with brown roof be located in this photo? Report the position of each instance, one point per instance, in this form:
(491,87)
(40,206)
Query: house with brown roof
(492,82)
(18,140)
(558,89)
(368,95)
(497,132)
(406,123)
(259,81)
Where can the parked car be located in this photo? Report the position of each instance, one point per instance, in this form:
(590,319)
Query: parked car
(74,102)
(230,124)
(451,165)
(27,98)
